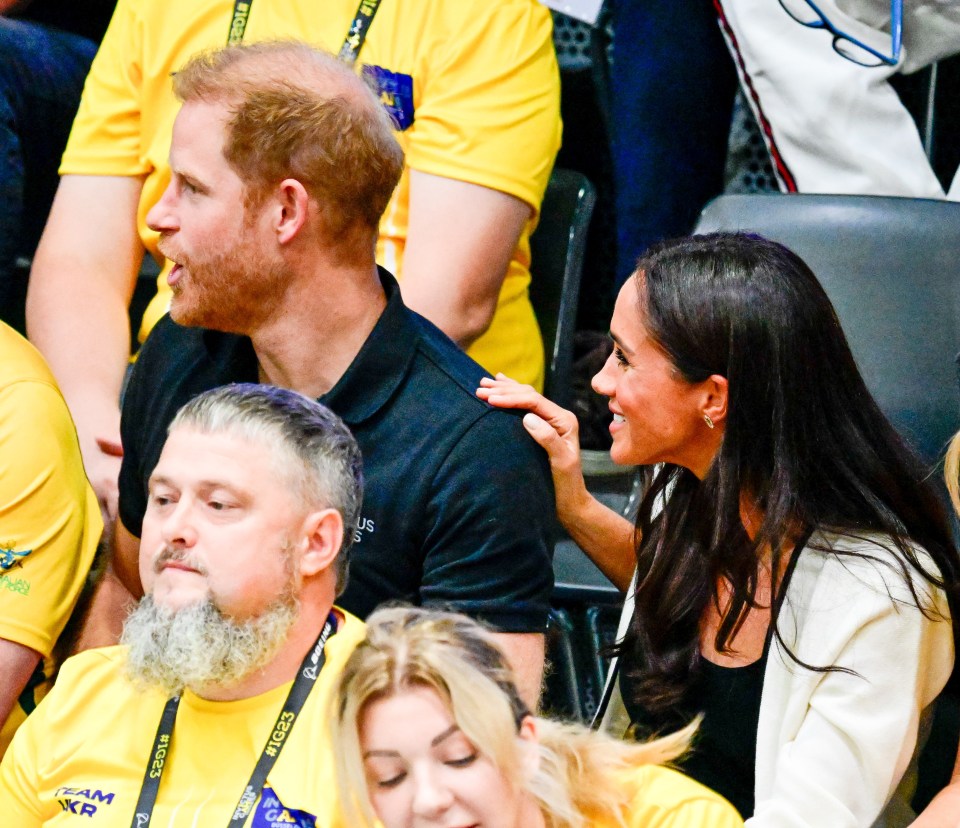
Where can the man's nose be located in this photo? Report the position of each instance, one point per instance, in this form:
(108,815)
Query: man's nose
(162,216)
(178,527)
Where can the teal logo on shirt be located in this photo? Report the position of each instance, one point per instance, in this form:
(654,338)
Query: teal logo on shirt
(272,813)
(9,557)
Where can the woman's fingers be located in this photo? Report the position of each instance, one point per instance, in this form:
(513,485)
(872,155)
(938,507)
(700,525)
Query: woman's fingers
(560,441)
(505,393)
(541,431)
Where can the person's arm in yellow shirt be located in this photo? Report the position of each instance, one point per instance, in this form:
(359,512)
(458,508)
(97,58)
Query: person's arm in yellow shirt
(460,241)
(17,664)
(83,276)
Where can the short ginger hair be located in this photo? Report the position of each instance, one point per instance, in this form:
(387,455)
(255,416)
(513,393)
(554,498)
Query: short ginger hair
(296,111)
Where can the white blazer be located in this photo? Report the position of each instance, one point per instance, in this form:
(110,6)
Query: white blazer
(834,749)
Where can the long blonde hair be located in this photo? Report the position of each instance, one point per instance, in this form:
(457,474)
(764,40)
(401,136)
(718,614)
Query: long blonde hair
(458,659)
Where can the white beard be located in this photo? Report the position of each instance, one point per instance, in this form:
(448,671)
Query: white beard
(198,645)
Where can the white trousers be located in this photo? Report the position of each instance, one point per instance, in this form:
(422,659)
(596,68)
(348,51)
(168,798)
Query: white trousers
(832,126)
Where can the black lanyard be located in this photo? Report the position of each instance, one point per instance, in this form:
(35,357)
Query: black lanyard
(302,685)
(352,43)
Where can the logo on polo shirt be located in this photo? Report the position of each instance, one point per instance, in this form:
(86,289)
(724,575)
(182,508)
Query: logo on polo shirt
(18,585)
(82,801)
(363,525)
(9,557)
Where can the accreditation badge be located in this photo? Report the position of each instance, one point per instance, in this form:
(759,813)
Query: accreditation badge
(272,813)
(395,91)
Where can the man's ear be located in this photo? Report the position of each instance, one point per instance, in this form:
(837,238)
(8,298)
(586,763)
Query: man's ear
(290,211)
(716,396)
(322,537)
(529,744)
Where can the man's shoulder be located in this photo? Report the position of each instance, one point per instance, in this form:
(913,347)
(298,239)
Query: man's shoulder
(437,353)
(177,362)
(350,632)
(171,343)
(442,372)
(20,361)
(91,684)
(32,411)
(93,666)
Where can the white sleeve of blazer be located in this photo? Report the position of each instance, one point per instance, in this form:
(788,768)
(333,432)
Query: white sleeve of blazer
(833,747)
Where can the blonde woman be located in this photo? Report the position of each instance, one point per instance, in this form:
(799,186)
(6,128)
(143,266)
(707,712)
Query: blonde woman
(431,731)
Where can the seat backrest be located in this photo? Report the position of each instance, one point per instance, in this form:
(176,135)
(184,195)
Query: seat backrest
(890,266)
(556,261)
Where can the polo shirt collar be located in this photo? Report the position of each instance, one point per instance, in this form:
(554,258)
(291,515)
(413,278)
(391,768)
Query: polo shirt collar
(376,372)
(382,363)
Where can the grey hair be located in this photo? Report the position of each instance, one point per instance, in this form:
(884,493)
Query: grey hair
(313,447)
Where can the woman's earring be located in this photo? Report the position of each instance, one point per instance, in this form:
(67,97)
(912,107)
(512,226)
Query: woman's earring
(708,421)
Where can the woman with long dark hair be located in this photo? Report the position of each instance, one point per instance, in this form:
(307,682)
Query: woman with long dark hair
(794,569)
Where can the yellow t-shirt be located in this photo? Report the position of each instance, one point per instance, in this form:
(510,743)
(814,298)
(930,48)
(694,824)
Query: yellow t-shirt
(663,798)
(485,92)
(49,518)
(85,750)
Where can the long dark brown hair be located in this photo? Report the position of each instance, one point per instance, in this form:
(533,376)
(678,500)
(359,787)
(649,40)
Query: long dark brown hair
(803,436)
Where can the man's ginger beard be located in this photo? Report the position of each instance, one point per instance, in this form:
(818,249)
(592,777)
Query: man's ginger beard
(197,645)
(232,289)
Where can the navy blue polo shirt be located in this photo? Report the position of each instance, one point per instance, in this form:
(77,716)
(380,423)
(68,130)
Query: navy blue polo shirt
(458,504)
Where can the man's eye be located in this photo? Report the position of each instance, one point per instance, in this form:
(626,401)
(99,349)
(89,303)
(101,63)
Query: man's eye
(160,500)
(218,505)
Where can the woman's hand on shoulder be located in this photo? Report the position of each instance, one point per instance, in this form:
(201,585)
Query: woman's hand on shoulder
(554,428)
(605,536)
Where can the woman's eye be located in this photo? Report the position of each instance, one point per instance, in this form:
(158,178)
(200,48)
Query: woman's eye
(462,761)
(391,782)
(621,359)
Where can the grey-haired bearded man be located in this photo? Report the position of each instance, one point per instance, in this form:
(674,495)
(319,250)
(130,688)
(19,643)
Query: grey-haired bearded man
(211,711)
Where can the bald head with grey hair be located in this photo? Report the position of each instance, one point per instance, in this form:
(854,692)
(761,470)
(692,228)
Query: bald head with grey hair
(311,446)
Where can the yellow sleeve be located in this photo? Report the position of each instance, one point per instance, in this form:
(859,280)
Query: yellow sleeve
(49,518)
(489,109)
(105,139)
(19,782)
